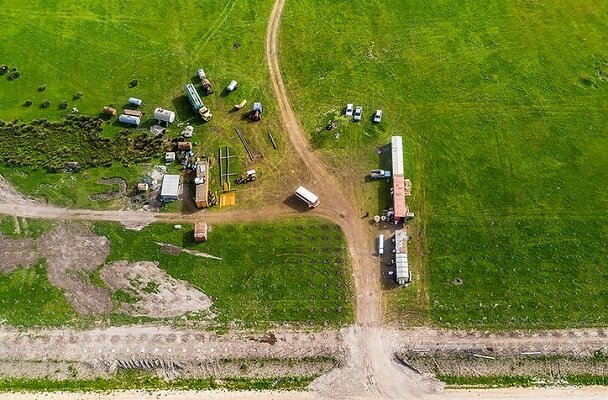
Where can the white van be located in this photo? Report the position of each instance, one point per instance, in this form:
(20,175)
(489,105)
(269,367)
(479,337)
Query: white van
(307,196)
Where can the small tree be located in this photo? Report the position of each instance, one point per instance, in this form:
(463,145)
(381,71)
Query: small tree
(28,103)
(3,69)
(133,83)
(42,88)
(63,105)
(78,95)
(45,104)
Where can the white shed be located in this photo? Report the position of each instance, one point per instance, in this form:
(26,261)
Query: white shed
(135,102)
(129,119)
(232,86)
(164,115)
(170,188)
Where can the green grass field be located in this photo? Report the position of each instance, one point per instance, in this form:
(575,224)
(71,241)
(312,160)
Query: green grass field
(293,272)
(97,49)
(289,271)
(502,105)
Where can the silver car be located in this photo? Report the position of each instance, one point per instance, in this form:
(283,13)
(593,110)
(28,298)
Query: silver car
(358,112)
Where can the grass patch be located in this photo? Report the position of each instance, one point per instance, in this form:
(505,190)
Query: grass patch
(27,299)
(48,71)
(122,296)
(504,140)
(23,227)
(140,381)
(481,382)
(289,271)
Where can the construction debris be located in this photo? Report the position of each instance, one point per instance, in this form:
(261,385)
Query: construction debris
(250,176)
(274,144)
(246,144)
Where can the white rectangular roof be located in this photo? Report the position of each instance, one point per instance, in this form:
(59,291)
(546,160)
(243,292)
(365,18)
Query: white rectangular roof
(401,259)
(170,186)
(397,155)
(307,194)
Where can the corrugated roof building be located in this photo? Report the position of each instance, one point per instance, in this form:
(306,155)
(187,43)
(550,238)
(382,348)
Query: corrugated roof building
(170,188)
(399,191)
(402,268)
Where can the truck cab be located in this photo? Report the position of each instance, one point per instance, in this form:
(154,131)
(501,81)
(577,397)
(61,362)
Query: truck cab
(379,174)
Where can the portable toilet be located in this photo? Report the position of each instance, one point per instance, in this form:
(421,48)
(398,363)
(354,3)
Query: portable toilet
(135,102)
(164,115)
(129,119)
(380,245)
(231,86)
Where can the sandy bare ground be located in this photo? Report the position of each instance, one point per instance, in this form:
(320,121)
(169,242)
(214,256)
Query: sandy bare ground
(574,342)
(72,252)
(160,295)
(586,393)
(107,345)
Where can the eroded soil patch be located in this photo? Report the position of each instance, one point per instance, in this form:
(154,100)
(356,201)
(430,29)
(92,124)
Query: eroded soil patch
(73,252)
(159,295)
(17,252)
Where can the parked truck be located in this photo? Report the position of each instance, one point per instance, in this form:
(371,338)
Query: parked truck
(197,103)
(379,174)
(205,82)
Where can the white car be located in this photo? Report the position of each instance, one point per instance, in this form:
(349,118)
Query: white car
(378,116)
(358,112)
(349,110)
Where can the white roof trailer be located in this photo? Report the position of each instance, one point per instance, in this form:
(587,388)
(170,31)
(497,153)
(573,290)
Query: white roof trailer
(402,267)
(307,196)
(397,150)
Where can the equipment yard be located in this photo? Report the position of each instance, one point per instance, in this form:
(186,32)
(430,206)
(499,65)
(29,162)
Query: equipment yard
(343,200)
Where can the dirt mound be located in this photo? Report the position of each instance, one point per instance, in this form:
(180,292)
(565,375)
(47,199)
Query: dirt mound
(159,294)
(17,252)
(73,252)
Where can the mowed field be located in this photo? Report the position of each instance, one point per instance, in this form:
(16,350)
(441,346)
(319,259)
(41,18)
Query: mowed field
(97,48)
(502,105)
(290,272)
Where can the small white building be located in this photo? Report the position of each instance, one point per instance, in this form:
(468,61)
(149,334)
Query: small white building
(129,119)
(135,101)
(232,86)
(170,157)
(163,115)
(170,188)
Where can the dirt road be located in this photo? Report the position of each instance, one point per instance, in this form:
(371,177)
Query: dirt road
(586,393)
(371,370)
